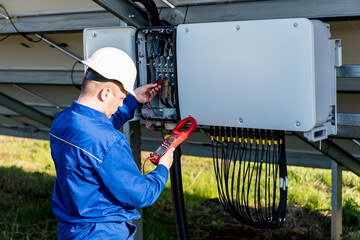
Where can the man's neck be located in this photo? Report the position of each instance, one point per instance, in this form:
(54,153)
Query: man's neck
(89,102)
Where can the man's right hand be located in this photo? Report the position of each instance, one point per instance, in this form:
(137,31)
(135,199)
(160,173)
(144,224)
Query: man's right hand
(168,158)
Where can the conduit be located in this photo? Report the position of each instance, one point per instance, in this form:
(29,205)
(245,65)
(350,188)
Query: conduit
(178,196)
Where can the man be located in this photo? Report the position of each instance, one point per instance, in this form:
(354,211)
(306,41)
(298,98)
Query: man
(98,184)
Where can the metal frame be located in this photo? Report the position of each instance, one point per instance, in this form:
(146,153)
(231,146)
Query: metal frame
(256,10)
(348,76)
(74,22)
(335,152)
(126,11)
(25,110)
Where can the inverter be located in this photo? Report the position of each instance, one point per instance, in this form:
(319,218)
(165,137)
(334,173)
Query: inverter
(263,74)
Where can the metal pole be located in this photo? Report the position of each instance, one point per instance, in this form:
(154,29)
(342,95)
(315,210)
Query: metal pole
(336,200)
(59,48)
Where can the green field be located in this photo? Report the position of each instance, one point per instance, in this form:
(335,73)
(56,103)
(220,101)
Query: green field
(27,175)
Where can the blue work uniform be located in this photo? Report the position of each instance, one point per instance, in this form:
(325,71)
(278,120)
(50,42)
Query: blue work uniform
(98,184)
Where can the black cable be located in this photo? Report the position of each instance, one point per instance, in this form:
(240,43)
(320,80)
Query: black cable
(152,12)
(40,39)
(2,39)
(12,23)
(72,75)
(247,175)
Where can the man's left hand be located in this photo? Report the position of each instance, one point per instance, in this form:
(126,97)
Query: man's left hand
(146,92)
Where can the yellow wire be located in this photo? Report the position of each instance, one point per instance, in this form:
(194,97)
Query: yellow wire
(2,26)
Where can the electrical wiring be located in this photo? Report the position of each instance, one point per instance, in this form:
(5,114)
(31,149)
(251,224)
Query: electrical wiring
(16,29)
(72,75)
(2,39)
(251,175)
(12,23)
(146,121)
(155,60)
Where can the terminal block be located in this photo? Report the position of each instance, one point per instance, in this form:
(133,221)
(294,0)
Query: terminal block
(155,56)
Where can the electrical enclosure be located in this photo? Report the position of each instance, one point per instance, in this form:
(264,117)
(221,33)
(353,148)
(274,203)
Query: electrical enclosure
(263,74)
(153,49)
(268,74)
(156,61)
(119,37)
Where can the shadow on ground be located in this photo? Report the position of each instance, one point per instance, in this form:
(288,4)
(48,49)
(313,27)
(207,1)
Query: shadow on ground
(25,205)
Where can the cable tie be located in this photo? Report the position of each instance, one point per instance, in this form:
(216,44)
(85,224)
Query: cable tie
(281,182)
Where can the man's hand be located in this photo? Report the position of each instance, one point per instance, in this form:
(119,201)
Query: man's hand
(144,91)
(168,158)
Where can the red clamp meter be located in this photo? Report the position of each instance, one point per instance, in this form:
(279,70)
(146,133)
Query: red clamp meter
(176,137)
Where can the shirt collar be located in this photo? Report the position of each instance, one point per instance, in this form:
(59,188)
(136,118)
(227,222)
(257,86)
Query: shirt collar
(88,111)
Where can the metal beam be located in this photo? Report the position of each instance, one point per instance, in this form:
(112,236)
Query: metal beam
(253,10)
(63,76)
(126,11)
(348,71)
(335,152)
(25,110)
(349,119)
(27,132)
(41,76)
(47,110)
(75,22)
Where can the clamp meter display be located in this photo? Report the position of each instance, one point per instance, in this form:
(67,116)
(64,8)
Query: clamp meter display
(176,137)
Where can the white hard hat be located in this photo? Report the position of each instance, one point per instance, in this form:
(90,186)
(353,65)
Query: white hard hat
(113,63)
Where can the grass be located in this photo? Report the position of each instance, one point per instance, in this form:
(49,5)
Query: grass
(27,175)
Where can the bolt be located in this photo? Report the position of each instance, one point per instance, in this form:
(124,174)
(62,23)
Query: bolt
(131,16)
(186,30)
(94,35)
(297,124)
(237,27)
(241,120)
(295,25)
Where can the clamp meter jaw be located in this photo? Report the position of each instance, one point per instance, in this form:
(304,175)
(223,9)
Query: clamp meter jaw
(174,140)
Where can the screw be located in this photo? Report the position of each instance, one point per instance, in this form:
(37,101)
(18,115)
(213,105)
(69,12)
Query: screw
(131,16)
(186,30)
(241,120)
(297,124)
(94,35)
(237,27)
(295,25)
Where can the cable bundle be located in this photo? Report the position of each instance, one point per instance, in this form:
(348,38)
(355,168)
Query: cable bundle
(250,169)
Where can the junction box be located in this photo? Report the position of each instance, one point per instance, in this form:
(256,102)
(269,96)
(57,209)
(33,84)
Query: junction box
(265,74)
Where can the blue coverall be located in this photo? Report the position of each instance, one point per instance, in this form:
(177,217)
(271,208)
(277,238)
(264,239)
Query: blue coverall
(98,184)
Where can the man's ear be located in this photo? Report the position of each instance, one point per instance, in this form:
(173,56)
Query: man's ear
(104,94)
